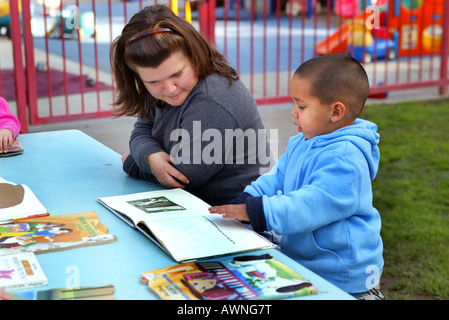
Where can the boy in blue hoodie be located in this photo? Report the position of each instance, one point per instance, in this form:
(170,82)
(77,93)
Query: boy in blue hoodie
(319,197)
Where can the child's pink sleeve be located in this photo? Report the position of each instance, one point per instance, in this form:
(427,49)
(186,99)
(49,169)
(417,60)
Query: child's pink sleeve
(7,119)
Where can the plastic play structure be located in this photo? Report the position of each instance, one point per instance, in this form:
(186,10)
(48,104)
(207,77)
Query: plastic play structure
(4,16)
(295,7)
(408,27)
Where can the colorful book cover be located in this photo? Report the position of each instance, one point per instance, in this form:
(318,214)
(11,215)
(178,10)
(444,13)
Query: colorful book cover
(247,277)
(53,233)
(21,270)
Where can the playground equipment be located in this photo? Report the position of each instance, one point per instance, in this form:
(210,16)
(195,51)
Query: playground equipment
(295,7)
(419,24)
(4,17)
(347,8)
(411,27)
(377,46)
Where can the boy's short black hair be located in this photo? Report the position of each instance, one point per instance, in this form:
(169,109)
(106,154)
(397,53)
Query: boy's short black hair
(337,77)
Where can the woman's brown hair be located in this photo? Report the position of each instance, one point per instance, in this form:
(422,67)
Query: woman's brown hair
(137,48)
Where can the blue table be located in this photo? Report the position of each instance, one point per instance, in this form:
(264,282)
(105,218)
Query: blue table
(68,171)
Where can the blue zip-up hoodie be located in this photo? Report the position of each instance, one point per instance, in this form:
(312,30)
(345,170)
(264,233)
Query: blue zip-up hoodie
(319,198)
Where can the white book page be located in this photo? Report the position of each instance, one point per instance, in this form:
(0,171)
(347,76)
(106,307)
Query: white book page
(157,204)
(30,205)
(188,238)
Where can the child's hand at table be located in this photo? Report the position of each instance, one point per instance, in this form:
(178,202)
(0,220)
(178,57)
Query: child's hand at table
(236,211)
(5,140)
(4,295)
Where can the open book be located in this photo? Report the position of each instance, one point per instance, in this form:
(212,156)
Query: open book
(247,277)
(180,224)
(18,201)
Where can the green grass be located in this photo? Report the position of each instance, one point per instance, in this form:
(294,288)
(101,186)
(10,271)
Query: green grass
(411,192)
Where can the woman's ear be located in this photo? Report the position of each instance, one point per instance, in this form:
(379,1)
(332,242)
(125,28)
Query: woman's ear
(338,111)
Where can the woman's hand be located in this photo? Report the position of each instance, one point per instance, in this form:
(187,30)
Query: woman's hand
(236,211)
(167,175)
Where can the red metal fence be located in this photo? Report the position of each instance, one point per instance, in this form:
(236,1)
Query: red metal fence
(56,67)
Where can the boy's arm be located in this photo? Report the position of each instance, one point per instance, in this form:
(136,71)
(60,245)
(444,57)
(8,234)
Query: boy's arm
(330,194)
(244,208)
(234,211)
(251,198)
(270,182)
(254,207)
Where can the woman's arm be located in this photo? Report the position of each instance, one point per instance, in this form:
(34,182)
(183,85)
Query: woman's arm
(149,160)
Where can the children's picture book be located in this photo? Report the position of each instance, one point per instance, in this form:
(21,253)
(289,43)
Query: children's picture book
(53,233)
(83,293)
(21,270)
(180,224)
(15,149)
(18,201)
(246,277)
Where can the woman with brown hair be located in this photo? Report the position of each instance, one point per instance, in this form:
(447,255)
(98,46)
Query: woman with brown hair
(198,126)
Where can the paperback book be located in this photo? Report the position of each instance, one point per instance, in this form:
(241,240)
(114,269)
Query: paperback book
(246,277)
(180,224)
(21,270)
(53,233)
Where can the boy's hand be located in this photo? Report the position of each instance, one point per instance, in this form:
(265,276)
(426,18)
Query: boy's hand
(236,211)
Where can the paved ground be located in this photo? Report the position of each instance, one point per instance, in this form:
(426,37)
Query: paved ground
(114,133)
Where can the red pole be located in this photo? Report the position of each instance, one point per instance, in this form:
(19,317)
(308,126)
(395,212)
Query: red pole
(29,59)
(19,72)
(237,21)
(253,12)
(206,9)
(444,48)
